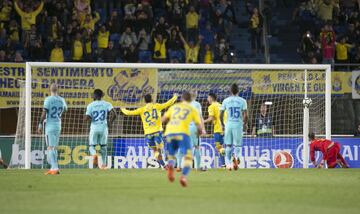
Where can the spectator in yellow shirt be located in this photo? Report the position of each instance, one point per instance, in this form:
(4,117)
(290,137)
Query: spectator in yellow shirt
(78,48)
(191,49)
(342,49)
(159,49)
(28,17)
(103,37)
(208,55)
(5,11)
(89,22)
(57,54)
(192,23)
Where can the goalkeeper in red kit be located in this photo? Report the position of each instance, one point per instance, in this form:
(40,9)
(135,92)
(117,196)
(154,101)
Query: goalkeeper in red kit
(330,151)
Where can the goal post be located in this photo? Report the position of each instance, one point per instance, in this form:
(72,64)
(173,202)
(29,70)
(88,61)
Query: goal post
(215,73)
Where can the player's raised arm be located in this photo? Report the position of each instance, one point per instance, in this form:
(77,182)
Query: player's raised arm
(131,112)
(166,117)
(169,102)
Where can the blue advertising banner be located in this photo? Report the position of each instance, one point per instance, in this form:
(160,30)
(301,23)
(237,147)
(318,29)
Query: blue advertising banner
(256,153)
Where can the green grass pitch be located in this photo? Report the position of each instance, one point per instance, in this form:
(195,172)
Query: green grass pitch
(148,191)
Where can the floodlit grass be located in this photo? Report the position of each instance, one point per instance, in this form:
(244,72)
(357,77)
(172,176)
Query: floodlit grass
(148,191)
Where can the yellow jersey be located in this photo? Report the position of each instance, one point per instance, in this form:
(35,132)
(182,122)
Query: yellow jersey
(78,51)
(214,111)
(151,115)
(103,39)
(57,55)
(28,19)
(180,116)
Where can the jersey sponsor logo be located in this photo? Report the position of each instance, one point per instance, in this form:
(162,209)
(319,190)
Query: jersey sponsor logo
(283,159)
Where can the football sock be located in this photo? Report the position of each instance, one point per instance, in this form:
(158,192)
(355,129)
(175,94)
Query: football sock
(103,152)
(187,166)
(197,158)
(228,155)
(179,159)
(92,150)
(222,159)
(237,152)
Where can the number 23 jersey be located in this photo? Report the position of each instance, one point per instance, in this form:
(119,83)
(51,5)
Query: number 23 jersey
(98,111)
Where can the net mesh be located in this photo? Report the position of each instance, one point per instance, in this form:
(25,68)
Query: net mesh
(272,137)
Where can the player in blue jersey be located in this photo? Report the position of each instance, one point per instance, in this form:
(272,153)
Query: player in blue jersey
(54,106)
(102,115)
(236,111)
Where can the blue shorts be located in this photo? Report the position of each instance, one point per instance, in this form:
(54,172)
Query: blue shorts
(52,137)
(98,137)
(154,140)
(219,138)
(233,136)
(179,142)
(194,137)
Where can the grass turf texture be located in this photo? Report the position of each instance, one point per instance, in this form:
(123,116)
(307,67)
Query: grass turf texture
(148,191)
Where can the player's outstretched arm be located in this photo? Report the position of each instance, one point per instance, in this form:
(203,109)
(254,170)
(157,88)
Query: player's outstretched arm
(222,118)
(209,119)
(169,102)
(131,112)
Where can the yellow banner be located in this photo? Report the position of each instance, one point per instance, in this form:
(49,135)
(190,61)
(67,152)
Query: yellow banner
(292,82)
(122,87)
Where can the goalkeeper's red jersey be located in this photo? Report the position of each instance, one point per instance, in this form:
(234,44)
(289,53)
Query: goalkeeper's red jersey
(321,145)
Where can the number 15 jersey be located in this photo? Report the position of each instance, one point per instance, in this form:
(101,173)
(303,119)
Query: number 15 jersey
(234,106)
(98,111)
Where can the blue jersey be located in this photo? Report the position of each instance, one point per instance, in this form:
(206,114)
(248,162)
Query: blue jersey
(234,106)
(98,111)
(54,106)
(197,106)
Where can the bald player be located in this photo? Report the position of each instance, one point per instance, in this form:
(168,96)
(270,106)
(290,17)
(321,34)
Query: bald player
(54,107)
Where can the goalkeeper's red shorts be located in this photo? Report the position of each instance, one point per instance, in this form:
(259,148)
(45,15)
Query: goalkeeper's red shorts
(333,154)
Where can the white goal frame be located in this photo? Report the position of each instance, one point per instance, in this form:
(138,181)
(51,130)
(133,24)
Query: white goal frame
(305,67)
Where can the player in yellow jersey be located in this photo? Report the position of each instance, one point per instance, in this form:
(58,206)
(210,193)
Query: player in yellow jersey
(178,119)
(151,118)
(214,117)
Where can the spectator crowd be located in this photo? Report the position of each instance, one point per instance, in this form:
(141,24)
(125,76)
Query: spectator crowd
(190,31)
(330,31)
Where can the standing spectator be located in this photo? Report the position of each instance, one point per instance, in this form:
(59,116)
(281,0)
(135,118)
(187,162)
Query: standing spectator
(5,11)
(78,48)
(263,123)
(255,30)
(191,49)
(307,47)
(28,17)
(3,56)
(143,46)
(327,39)
(161,27)
(159,49)
(114,23)
(208,34)
(325,10)
(82,9)
(14,32)
(110,54)
(90,21)
(342,49)
(103,38)
(192,23)
(208,55)
(128,38)
(222,48)
(55,30)
(176,10)
(57,54)
(174,45)
(18,57)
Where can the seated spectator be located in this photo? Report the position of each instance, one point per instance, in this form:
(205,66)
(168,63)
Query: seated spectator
(18,57)
(57,54)
(176,10)
(55,30)
(128,38)
(222,48)
(356,57)
(14,32)
(174,45)
(161,27)
(342,50)
(130,7)
(263,123)
(28,15)
(89,22)
(110,54)
(114,23)
(208,34)
(3,56)
(78,48)
(192,23)
(142,22)
(191,49)
(37,51)
(131,54)
(103,38)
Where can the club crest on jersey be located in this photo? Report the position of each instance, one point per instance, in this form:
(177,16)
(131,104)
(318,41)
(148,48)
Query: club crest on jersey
(130,86)
(283,159)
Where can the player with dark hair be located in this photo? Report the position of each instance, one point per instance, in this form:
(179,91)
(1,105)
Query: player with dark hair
(236,111)
(151,119)
(97,112)
(178,119)
(214,117)
(330,151)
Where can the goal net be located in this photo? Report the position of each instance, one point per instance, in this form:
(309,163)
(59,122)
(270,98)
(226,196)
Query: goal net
(273,137)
